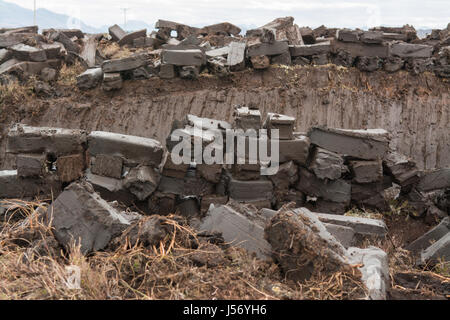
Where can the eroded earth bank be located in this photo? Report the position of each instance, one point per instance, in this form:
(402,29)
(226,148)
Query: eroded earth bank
(415,109)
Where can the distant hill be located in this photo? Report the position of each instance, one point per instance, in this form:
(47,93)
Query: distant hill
(12,16)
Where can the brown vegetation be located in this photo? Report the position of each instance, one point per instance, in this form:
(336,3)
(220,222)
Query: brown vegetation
(182,266)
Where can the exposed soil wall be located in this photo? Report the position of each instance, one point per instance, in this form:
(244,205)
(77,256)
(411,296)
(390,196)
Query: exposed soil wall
(414,108)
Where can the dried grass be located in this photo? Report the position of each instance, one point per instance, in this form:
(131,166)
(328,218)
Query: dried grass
(68,74)
(343,285)
(112,50)
(442,268)
(33,266)
(364,213)
(402,261)
(16,92)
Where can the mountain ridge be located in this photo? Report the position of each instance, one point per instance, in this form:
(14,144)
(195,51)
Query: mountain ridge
(13,16)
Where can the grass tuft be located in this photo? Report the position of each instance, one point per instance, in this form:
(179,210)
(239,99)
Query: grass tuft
(16,92)
(34,266)
(68,74)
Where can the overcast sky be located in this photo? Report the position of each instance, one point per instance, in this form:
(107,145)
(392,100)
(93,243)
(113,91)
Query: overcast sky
(347,13)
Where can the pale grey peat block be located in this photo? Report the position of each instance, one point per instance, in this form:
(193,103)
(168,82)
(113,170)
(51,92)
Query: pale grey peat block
(103,183)
(116,32)
(67,32)
(190,57)
(221,28)
(26,53)
(370,144)
(31,165)
(134,150)
(12,186)
(237,229)
(403,170)
(369,195)
(347,35)
(282,59)
(361,49)
(436,179)
(326,164)
(56,141)
(371,37)
(124,64)
(362,226)
(409,50)
(8,40)
(90,78)
(310,49)
(283,123)
(367,171)
(68,44)
(430,237)
(250,190)
(28,67)
(345,235)
(142,181)
(286,176)
(296,149)
(389,36)
(334,190)
(438,251)
(267,49)
(245,118)
(107,166)
(4,55)
(187,186)
(81,215)
(236,56)
(129,37)
(219,52)
(374,266)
